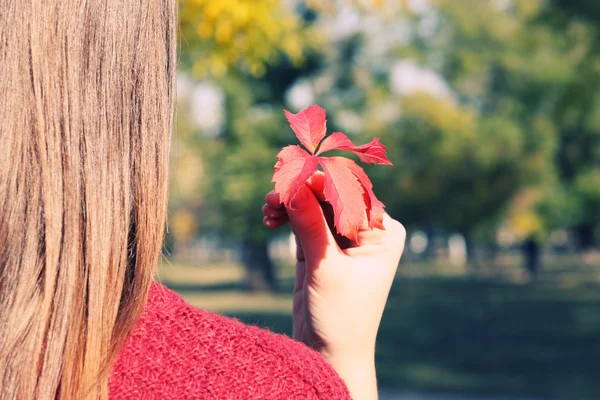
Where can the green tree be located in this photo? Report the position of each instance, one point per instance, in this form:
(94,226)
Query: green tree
(454,168)
(533,63)
(240,162)
(575,113)
(240,166)
(464,149)
(252,50)
(461,151)
(491,59)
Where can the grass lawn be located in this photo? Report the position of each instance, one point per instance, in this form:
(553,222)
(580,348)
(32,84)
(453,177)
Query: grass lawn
(445,332)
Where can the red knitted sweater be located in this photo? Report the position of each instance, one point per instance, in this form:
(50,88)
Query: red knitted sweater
(179,352)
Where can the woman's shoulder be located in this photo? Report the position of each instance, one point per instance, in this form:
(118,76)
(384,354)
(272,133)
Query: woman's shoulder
(178,351)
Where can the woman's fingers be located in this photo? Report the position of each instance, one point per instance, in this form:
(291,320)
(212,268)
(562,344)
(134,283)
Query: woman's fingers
(272,212)
(275,222)
(272,200)
(316,183)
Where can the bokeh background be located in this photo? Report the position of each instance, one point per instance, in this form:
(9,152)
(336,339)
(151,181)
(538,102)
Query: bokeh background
(490,110)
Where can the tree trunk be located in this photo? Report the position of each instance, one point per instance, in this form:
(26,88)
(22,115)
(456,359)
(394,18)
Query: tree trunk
(531,250)
(469,247)
(260,275)
(429,252)
(472,267)
(586,237)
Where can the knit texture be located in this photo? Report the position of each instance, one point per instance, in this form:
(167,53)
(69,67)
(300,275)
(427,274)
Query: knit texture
(179,352)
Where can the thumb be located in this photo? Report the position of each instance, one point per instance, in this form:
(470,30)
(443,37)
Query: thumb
(310,226)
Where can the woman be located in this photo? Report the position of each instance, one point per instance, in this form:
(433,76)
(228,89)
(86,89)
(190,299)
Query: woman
(86,104)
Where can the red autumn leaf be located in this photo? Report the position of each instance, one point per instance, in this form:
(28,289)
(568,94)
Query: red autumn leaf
(347,187)
(309,126)
(345,193)
(374,207)
(370,153)
(294,167)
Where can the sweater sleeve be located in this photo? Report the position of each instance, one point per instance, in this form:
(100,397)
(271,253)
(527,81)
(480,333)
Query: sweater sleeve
(179,352)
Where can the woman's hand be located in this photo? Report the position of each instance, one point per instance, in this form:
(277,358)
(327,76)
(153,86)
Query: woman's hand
(341,288)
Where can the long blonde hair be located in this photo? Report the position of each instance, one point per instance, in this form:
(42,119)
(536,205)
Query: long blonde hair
(86,100)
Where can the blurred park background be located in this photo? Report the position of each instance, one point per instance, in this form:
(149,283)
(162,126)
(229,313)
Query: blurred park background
(490,111)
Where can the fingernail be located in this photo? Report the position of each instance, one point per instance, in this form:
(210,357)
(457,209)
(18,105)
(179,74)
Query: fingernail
(299,200)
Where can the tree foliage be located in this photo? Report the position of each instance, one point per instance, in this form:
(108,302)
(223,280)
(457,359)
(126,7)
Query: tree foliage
(512,135)
(245,35)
